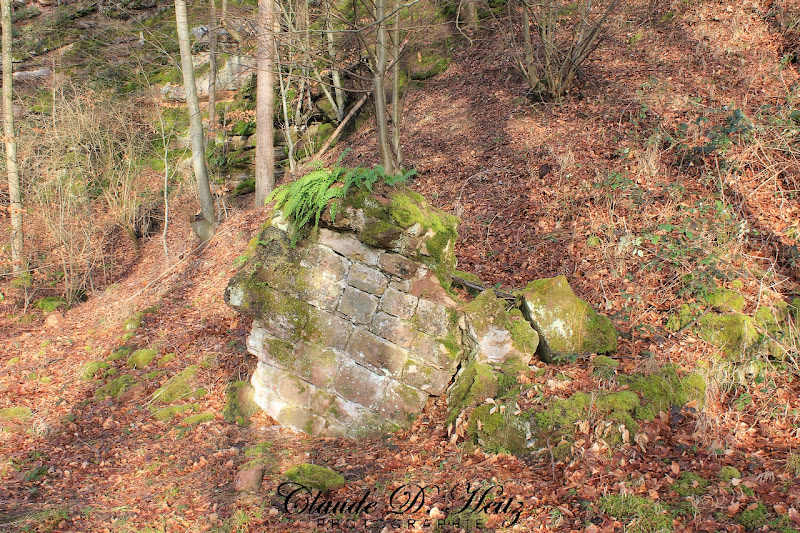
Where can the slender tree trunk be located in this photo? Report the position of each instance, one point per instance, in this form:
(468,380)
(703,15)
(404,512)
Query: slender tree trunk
(11,145)
(531,71)
(265,102)
(205,228)
(379,86)
(396,103)
(336,78)
(212,76)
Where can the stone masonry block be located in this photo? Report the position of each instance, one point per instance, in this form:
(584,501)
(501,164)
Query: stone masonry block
(398,303)
(426,378)
(348,246)
(358,305)
(397,265)
(393,329)
(301,420)
(323,278)
(376,352)
(358,384)
(432,318)
(367,279)
(401,402)
(328,329)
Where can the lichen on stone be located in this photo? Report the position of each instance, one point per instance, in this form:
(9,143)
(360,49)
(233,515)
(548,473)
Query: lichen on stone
(239,404)
(500,333)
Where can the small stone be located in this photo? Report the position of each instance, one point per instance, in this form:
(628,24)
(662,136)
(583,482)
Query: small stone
(358,305)
(53,319)
(248,480)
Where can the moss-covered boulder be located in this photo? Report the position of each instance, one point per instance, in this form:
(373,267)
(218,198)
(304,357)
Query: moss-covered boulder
(500,335)
(734,333)
(565,323)
(239,404)
(315,477)
(141,358)
(91,369)
(725,300)
(604,367)
(498,428)
(182,385)
(165,414)
(116,387)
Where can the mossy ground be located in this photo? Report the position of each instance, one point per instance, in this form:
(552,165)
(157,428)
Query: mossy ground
(141,358)
(165,414)
(665,389)
(690,484)
(116,387)
(315,477)
(180,386)
(91,369)
(641,515)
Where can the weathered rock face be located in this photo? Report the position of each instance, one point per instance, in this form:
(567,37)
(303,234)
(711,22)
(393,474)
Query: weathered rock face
(351,338)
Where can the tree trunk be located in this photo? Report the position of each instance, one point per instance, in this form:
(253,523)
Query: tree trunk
(204,228)
(379,86)
(396,103)
(212,76)
(11,145)
(265,102)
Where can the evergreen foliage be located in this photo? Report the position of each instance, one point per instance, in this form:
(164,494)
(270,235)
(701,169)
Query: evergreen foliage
(305,200)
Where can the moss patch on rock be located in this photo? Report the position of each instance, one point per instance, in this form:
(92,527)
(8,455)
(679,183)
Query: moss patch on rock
(315,477)
(119,353)
(604,367)
(565,323)
(473,386)
(727,473)
(733,333)
(180,386)
(498,430)
(239,404)
(141,358)
(91,369)
(166,359)
(725,300)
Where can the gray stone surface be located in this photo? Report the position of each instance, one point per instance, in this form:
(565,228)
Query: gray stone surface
(393,329)
(432,318)
(369,349)
(348,246)
(398,303)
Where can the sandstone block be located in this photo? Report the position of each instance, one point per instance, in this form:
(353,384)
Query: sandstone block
(328,329)
(358,305)
(358,384)
(426,378)
(432,318)
(348,246)
(401,402)
(302,420)
(392,329)
(397,265)
(323,278)
(367,279)
(376,352)
(398,303)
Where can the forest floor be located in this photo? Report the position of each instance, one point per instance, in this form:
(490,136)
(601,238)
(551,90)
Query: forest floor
(640,187)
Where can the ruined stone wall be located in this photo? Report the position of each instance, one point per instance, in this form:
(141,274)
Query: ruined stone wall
(351,339)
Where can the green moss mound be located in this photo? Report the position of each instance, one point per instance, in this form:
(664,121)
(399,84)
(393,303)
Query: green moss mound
(141,358)
(134,322)
(180,386)
(499,430)
(665,389)
(474,384)
(565,323)
(119,353)
(48,304)
(18,415)
(239,404)
(733,333)
(165,414)
(690,484)
(91,369)
(115,388)
(725,300)
(727,473)
(604,367)
(199,418)
(166,359)
(315,477)
(640,515)
(753,519)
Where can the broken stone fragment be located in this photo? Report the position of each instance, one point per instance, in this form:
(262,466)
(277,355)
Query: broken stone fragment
(565,323)
(500,335)
(248,480)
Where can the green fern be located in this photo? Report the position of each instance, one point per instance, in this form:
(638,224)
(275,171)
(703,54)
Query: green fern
(306,199)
